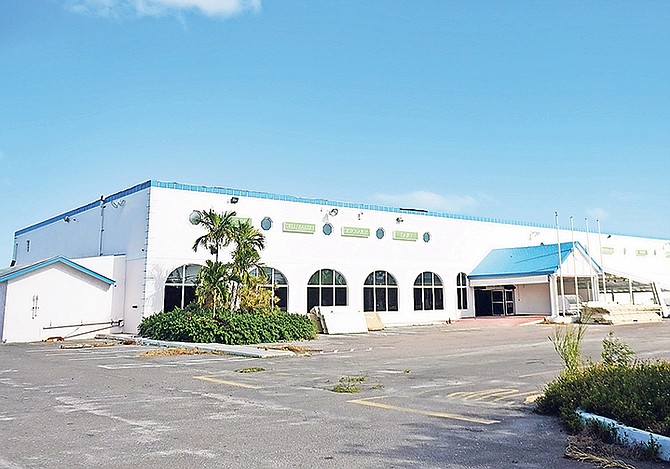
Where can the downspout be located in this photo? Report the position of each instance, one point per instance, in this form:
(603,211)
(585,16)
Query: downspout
(102,223)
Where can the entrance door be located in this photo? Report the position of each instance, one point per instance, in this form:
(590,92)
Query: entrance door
(498,302)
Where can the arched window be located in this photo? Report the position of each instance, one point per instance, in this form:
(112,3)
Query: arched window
(180,287)
(428,292)
(276,281)
(380,292)
(326,287)
(462,290)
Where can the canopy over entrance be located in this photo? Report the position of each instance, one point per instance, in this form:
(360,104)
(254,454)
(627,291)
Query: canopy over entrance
(554,278)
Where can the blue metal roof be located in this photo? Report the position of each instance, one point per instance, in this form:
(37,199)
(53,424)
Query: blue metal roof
(525,261)
(14,272)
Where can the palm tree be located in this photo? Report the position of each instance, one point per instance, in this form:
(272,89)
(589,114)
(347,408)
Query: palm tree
(219,231)
(248,242)
(212,288)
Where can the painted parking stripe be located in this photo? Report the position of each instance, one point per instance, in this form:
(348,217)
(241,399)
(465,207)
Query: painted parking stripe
(492,395)
(463,418)
(228,383)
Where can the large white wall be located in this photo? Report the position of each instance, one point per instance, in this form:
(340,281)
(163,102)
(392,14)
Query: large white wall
(119,226)
(456,245)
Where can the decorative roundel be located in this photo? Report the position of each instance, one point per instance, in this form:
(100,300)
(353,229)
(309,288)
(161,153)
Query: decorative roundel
(380,233)
(426,236)
(327,229)
(195,218)
(266,223)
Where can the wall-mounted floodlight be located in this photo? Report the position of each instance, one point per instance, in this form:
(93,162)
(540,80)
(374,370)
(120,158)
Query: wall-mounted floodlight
(119,203)
(333,212)
(234,200)
(195,217)
(360,214)
(69,219)
(399,220)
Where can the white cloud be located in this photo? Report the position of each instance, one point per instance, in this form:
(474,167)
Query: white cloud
(428,201)
(214,8)
(597,213)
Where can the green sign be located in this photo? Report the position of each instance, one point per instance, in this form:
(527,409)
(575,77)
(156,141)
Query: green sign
(354,232)
(242,220)
(641,252)
(295,227)
(607,250)
(406,235)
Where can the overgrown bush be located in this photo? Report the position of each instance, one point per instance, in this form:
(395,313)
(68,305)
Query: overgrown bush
(636,394)
(194,324)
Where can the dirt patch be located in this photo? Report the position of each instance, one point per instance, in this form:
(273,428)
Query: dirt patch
(297,349)
(174,351)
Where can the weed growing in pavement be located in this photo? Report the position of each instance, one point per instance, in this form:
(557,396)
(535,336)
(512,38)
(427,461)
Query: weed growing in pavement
(349,384)
(253,369)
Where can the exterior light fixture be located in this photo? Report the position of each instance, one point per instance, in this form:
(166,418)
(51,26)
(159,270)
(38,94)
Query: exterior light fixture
(234,200)
(69,219)
(333,212)
(399,220)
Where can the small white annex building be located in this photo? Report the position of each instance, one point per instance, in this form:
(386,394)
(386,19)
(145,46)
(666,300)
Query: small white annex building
(109,263)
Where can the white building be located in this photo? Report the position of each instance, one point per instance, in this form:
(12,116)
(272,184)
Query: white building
(411,266)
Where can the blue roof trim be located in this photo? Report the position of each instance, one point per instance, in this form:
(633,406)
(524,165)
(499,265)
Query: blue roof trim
(526,261)
(84,208)
(290,198)
(332,203)
(14,272)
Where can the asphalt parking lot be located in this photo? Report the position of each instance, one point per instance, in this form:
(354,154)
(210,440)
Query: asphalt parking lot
(443,396)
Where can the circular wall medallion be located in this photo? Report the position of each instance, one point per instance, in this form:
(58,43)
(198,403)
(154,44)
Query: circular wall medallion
(426,236)
(380,233)
(266,223)
(327,229)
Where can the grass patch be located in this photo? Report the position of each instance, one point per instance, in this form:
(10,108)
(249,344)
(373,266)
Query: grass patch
(253,369)
(349,384)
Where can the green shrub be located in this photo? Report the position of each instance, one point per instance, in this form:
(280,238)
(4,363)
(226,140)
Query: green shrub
(236,328)
(615,351)
(637,394)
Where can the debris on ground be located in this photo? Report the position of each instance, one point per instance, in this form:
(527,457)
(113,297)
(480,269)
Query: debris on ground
(297,349)
(174,351)
(76,345)
(588,448)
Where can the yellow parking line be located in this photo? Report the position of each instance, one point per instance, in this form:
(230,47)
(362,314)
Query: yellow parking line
(554,372)
(515,394)
(229,383)
(464,418)
(481,395)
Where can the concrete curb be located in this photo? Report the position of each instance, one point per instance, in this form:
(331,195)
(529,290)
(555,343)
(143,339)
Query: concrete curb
(249,351)
(630,435)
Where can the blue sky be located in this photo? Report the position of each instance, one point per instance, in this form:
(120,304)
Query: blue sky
(509,109)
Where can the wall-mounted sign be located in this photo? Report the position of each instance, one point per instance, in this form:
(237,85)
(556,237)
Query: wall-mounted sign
(607,250)
(641,252)
(242,220)
(295,227)
(406,235)
(354,232)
